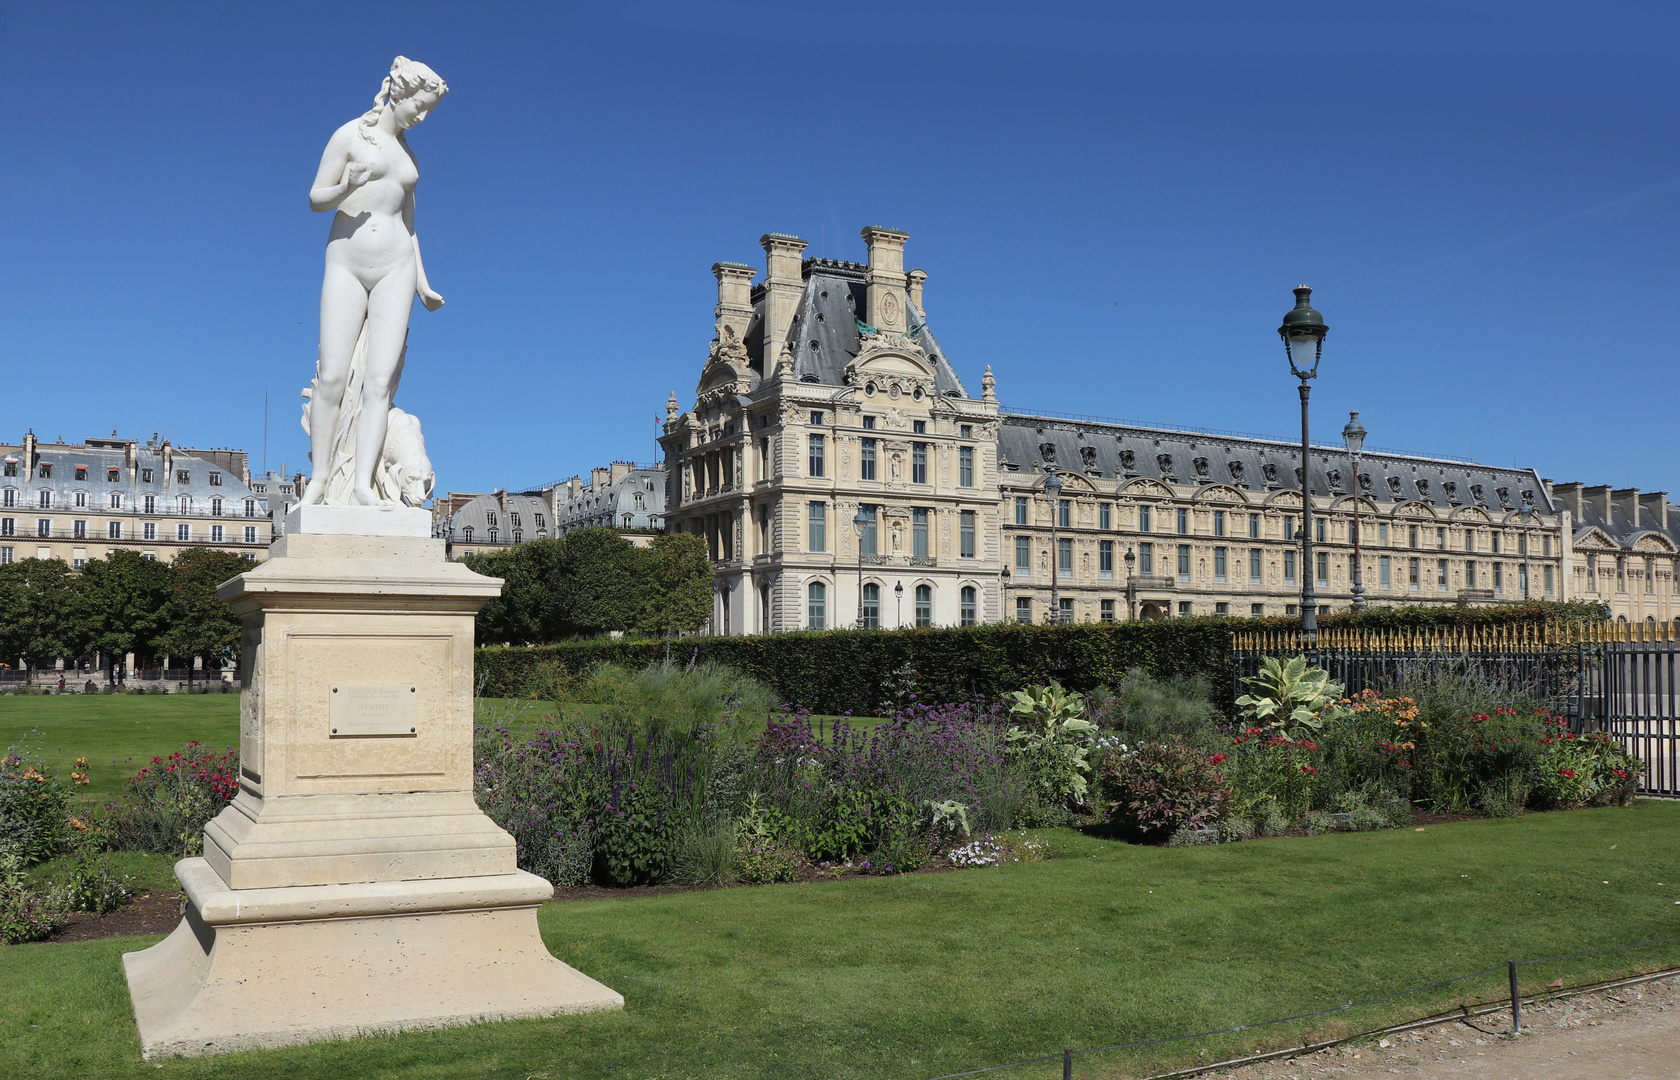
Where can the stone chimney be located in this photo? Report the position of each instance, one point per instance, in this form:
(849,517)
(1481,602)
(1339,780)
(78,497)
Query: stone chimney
(916,278)
(1627,501)
(1599,499)
(734,306)
(597,477)
(782,286)
(620,469)
(1569,495)
(1653,509)
(28,469)
(168,463)
(885,279)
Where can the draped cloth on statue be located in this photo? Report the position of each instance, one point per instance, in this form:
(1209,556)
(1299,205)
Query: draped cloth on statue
(402,473)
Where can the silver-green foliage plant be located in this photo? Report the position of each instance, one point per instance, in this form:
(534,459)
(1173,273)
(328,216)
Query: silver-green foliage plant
(1291,695)
(1055,734)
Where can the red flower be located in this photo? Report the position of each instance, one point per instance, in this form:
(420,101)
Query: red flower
(1620,772)
(1309,769)
(1217,758)
(1570,773)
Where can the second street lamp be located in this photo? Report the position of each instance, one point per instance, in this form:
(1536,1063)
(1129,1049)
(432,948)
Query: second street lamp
(1303,333)
(1131,585)
(860,521)
(1353,435)
(1053,494)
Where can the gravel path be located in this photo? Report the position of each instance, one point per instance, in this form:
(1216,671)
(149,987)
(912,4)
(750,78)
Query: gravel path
(1620,1034)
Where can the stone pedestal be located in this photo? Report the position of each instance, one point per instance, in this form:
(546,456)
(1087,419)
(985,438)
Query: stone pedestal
(352,885)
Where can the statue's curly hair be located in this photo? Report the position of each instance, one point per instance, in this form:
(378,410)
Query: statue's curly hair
(407,78)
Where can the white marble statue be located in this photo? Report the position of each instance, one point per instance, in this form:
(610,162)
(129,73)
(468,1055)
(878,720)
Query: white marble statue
(373,273)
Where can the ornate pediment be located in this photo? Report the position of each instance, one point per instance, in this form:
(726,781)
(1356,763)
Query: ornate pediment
(1219,493)
(1471,513)
(1285,498)
(1147,487)
(1415,509)
(1597,539)
(728,370)
(1654,542)
(890,364)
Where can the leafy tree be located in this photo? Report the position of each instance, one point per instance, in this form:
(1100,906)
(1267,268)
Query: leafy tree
(598,582)
(528,609)
(676,585)
(197,622)
(129,595)
(44,613)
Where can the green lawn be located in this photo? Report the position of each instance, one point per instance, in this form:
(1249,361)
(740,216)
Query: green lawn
(117,733)
(908,978)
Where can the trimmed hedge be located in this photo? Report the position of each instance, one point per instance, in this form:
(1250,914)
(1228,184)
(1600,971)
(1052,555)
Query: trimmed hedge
(1413,616)
(864,671)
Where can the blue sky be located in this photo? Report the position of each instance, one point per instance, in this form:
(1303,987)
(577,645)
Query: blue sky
(1112,203)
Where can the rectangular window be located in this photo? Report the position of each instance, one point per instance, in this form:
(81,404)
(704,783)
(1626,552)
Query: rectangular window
(250,534)
(1289,527)
(1469,539)
(116,500)
(1440,575)
(1065,615)
(215,534)
(7,554)
(918,463)
(1493,539)
(816,610)
(1290,610)
(1522,544)
(919,426)
(1441,538)
(1412,535)
(151,504)
(1254,566)
(1020,509)
(1062,514)
(1219,523)
(966,430)
(1318,531)
(1289,566)
(81,498)
(113,530)
(1221,608)
(924,605)
(868,536)
(1382,533)
(1183,521)
(817,515)
(1498,577)
(215,479)
(1146,559)
(43,526)
(816,419)
(1254,526)
(1385,572)
(1548,581)
(1323,567)
(1023,609)
(966,534)
(866,460)
(1257,611)
(1064,555)
(869,423)
(919,532)
(148,531)
(1650,576)
(1103,516)
(1105,558)
(970,614)
(1184,562)
(46,499)
(8,526)
(1023,555)
(1219,566)
(1185,609)
(816,455)
(1469,574)
(965,466)
(1412,575)
(182,476)
(1107,610)
(1145,520)
(1546,545)
(78,529)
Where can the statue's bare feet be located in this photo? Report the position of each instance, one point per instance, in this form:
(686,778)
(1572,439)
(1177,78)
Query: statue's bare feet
(315,492)
(365,496)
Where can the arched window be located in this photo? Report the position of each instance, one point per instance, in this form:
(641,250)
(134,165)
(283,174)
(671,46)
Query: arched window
(970,616)
(816,610)
(871,607)
(924,605)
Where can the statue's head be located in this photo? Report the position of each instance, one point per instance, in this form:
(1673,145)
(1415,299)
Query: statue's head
(410,91)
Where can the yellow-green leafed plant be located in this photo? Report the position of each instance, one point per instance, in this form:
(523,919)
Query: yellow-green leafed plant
(1059,736)
(1291,695)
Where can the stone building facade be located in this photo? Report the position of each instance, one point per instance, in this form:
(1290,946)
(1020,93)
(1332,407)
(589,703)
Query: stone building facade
(475,524)
(826,401)
(1209,520)
(1627,552)
(76,501)
(623,496)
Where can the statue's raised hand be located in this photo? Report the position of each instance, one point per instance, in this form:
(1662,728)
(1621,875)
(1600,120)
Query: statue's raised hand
(431,299)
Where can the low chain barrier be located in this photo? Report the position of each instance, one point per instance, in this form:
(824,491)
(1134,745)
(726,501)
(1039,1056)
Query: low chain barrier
(1067,1055)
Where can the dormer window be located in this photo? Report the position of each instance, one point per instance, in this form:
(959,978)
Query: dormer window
(46,471)
(513,519)
(539,520)
(81,472)
(11,467)
(182,476)
(112,476)
(466,533)
(215,479)
(490,518)
(145,476)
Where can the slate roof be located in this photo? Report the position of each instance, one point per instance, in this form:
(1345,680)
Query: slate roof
(476,515)
(64,460)
(824,329)
(1257,466)
(1619,524)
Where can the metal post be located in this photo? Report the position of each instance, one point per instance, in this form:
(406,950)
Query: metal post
(1358,559)
(1309,600)
(1516,1002)
(857,537)
(1055,556)
(1067,1064)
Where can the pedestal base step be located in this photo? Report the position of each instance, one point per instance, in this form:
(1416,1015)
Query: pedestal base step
(255,968)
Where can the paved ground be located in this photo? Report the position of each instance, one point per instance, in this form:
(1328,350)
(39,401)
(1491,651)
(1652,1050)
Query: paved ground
(1621,1034)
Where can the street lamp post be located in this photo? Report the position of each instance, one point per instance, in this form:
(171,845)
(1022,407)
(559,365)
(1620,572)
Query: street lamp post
(1303,333)
(1053,493)
(898,597)
(1354,436)
(1131,585)
(1526,516)
(859,521)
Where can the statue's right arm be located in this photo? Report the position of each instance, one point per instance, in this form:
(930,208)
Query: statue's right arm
(332,182)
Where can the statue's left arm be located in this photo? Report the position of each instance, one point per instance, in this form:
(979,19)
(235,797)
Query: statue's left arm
(422,287)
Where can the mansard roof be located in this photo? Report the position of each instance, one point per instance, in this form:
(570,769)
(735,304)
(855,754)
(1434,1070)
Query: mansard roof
(1258,467)
(1619,526)
(824,329)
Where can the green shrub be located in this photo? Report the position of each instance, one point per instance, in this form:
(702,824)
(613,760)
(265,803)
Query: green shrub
(766,865)
(706,857)
(27,913)
(1052,741)
(1144,708)
(167,804)
(1160,787)
(34,810)
(91,886)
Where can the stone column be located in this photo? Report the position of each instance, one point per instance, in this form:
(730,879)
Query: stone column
(353,885)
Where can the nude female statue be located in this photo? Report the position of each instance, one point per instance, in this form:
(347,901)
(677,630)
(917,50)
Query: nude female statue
(373,273)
